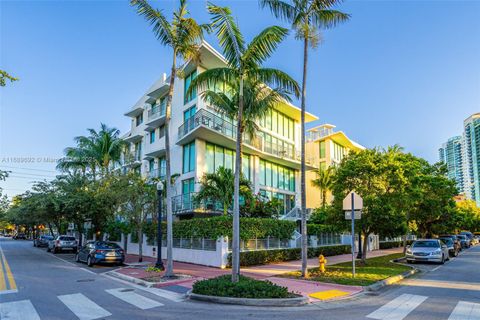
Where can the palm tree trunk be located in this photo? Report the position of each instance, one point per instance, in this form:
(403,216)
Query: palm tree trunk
(324,198)
(303,198)
(168,108)
(236,192)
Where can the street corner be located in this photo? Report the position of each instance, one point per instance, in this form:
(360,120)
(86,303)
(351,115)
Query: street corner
(7,281)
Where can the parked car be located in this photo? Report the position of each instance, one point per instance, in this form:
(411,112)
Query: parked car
(473,240)
(42,241)
(94,252)
(20,236)
(62,243)
(452,247)
(427,250)
(455,240)
(464,240)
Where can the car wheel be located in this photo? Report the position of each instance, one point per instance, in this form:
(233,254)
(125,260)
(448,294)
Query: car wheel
(54,250)
(74,250)
(89,261)
(48,249)
(77,258)
(443,259)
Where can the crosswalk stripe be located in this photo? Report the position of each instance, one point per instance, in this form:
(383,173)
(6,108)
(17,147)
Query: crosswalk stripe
(133,298)
(465,311)
(398,308)
(82,307)
(169,295)
(18,310)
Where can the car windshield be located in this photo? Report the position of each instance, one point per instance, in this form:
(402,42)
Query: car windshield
(461,237)
(47,237)
(107,245)
(67,238)
(448,241)
(425,244)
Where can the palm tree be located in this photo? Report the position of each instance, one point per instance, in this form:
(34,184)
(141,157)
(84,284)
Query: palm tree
(324,182)
(5,76)
(182,35)
(307,18)
(243,67)
(99,150)
(218,186)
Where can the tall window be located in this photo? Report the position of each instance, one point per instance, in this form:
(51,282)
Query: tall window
(139,119)
(322,149)
(338,151)
(162,165)
(151,165)
(188,80)
(276,176)
(189,157)
(161,131)
(188,186)
(217,156)
(152,136)
(279,123)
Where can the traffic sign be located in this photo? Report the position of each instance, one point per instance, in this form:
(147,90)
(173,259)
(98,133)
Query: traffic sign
(357,214)
(357,202)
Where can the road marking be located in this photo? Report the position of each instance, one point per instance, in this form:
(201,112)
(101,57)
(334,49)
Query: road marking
(465,311)
(18,310)
(398,308)
(7,282)
(133,298)
(82,307)
(328,294)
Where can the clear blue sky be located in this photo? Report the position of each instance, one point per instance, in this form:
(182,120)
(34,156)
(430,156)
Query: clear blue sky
(405,72)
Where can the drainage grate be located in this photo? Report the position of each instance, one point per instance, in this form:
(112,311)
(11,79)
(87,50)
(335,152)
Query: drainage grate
(126,290)
(85,280)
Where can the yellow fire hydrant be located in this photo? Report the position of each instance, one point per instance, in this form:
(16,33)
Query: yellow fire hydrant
(322,262)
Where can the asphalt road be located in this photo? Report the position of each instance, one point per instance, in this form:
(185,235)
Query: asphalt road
(52,288)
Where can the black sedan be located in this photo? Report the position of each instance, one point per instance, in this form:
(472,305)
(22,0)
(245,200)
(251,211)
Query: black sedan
(42,241)
(95,252)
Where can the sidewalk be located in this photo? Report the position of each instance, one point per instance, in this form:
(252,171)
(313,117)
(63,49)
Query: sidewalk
(323,291)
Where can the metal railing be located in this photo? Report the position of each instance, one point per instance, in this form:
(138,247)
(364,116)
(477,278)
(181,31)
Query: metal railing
(295,214)
(315,135)
(157,173)
(187,203)
(214,122)
(157,111)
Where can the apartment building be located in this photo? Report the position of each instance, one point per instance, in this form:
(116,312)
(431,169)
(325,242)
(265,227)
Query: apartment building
(202,139)
(461,154)
(325,147)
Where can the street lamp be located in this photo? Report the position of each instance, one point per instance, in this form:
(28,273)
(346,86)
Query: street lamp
(159,263)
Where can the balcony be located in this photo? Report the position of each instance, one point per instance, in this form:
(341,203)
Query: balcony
(186,203)
(211,127)
(133,137)
(158,173)
(134,159)
(156,116)
(316,135)
(155,149)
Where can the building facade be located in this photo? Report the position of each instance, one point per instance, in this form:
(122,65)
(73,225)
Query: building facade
(325,147)
(461,154)
(202,140)
(452,154)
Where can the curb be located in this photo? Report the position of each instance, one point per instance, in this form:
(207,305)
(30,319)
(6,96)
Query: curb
(389,281)
(130,279)
(284,302)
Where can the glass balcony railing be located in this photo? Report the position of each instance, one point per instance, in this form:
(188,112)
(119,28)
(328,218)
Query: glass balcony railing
(214,122)
(315,135)
(157,173)
(157,111)
(187,203)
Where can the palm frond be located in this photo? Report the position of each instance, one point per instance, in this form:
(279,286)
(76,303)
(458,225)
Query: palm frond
(326,18)
(229,35)
(280,9)
(161,27)
(264,44)
(278,79)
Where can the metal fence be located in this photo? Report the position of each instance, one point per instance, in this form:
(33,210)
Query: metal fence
(194,243)
(328,239)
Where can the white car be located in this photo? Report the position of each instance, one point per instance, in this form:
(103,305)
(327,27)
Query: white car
(427,250)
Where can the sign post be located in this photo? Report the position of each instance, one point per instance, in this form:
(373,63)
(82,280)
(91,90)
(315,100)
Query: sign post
(352,204)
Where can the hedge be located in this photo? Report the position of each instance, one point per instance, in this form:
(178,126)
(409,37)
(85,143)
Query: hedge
(393,244)
(314,229)
(252,258)
(250,228)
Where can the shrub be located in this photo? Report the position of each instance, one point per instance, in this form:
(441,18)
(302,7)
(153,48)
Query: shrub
(245,288)
(314,229)
(252,258)
(250,228)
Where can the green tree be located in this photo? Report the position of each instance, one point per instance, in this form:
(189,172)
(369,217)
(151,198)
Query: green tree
(182,35)
(218,186)
(324,182)
(5,76)
(467,216)
(100,150)
(307,18)
(244,69)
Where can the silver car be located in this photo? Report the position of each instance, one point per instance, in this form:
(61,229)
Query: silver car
(427,250)
(62,243)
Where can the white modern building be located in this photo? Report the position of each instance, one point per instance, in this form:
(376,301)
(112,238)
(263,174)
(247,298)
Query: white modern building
(203,139)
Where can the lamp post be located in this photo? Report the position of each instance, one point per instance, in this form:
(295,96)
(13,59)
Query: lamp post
(159,263)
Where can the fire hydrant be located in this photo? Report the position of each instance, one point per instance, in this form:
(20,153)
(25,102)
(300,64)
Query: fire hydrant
(322,262)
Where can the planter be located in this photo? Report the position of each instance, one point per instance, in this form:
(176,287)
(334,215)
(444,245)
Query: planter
(283,302)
